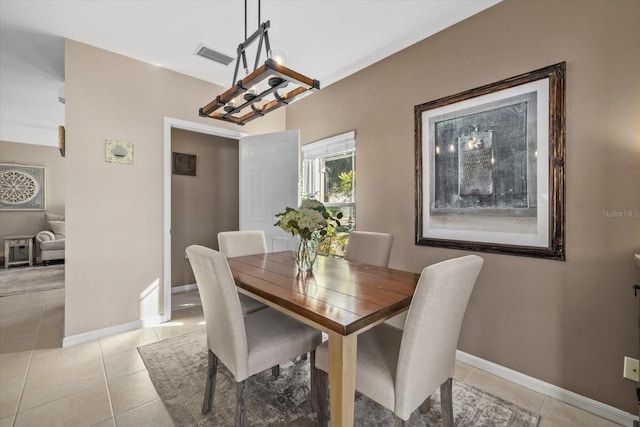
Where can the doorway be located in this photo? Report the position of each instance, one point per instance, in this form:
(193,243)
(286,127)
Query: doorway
(169,124)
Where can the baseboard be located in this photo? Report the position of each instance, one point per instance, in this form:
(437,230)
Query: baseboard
(124,327)
(183,288)
(112,330)
(593,406)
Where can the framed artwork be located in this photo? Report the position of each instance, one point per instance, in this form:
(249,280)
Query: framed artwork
(490,167)
(118,152)
(184,164)
(21,187)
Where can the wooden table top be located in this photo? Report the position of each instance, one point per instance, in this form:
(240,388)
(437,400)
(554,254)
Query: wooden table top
(339,295)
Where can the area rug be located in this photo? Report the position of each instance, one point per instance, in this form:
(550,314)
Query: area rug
(177,368)
(31,279)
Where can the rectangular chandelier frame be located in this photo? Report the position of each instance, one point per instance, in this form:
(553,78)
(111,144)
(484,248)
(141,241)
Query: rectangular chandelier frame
(278,76)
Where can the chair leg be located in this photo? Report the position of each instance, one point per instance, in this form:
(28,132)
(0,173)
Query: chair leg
(210,387)
(399,421)
(321,393)
(446,402)
(241,404)
(275,371)
(313,372)
(425,407)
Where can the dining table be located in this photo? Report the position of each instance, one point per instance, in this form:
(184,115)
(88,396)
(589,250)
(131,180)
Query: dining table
(338,297)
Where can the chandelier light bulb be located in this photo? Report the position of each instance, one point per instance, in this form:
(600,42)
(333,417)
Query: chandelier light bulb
(231,105)
(251,93)
(279,55)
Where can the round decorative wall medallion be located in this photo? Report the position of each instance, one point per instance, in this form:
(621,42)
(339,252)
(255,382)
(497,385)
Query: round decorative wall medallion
(17,187)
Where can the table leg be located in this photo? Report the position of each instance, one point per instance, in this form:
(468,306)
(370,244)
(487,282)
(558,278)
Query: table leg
(342,378)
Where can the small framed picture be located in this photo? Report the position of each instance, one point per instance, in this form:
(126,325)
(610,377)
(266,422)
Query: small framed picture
(118,152)
(184,164)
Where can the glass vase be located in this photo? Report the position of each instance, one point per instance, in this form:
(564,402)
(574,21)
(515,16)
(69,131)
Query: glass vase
(306,253)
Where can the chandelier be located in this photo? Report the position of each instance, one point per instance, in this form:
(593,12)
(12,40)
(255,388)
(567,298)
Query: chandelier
(268,87)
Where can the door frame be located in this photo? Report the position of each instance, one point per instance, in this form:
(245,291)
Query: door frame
(171,123)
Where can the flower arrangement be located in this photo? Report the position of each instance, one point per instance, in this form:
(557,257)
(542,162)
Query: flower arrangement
(310,222)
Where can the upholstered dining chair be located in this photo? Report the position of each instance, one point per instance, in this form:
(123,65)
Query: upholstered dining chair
(247,344)
(400,369)
(373,248)
(369,247)
(242,243)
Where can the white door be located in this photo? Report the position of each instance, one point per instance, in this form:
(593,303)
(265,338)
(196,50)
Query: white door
(269,170)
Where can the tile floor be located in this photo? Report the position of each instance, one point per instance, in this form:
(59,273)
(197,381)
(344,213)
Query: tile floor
(105,383)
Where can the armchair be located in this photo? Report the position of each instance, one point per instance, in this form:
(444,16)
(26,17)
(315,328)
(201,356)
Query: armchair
(51,241)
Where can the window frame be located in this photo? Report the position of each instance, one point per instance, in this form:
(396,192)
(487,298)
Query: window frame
(315,153)
(313,182)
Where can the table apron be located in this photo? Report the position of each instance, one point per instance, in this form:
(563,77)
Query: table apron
(310,322)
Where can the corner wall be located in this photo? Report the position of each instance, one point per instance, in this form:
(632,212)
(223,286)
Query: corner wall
(114,250)
(566,323)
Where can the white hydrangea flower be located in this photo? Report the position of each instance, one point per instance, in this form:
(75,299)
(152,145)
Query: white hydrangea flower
(310,219)
(307,222)
(310,204)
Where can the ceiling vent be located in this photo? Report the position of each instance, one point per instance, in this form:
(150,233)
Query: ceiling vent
(213,55)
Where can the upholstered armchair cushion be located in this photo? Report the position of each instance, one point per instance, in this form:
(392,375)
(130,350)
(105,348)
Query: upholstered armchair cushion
(53,217)
(45,236)
(51,244)
(58,228)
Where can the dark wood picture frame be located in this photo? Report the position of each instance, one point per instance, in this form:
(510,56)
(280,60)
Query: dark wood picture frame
(184,164)
(502,197)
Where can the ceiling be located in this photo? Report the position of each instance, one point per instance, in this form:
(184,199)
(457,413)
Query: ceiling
(324,39)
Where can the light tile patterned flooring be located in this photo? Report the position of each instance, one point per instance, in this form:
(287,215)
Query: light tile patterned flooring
(105,383)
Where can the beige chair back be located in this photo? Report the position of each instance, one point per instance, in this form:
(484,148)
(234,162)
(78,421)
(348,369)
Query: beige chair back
(368,247)
(221,308)
(242,243)
(430,337)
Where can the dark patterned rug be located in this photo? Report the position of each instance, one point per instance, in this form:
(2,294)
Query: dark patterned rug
(22,280)
(177,367)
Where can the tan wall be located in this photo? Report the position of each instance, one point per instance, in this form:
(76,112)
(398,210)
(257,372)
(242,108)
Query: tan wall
(568,323)
(114,212)
(205,204)
(30,222)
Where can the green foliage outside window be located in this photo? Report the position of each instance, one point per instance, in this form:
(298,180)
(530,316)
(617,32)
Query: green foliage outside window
(331,179)
(338,179)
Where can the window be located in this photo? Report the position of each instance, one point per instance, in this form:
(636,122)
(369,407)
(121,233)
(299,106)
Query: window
(329,175)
